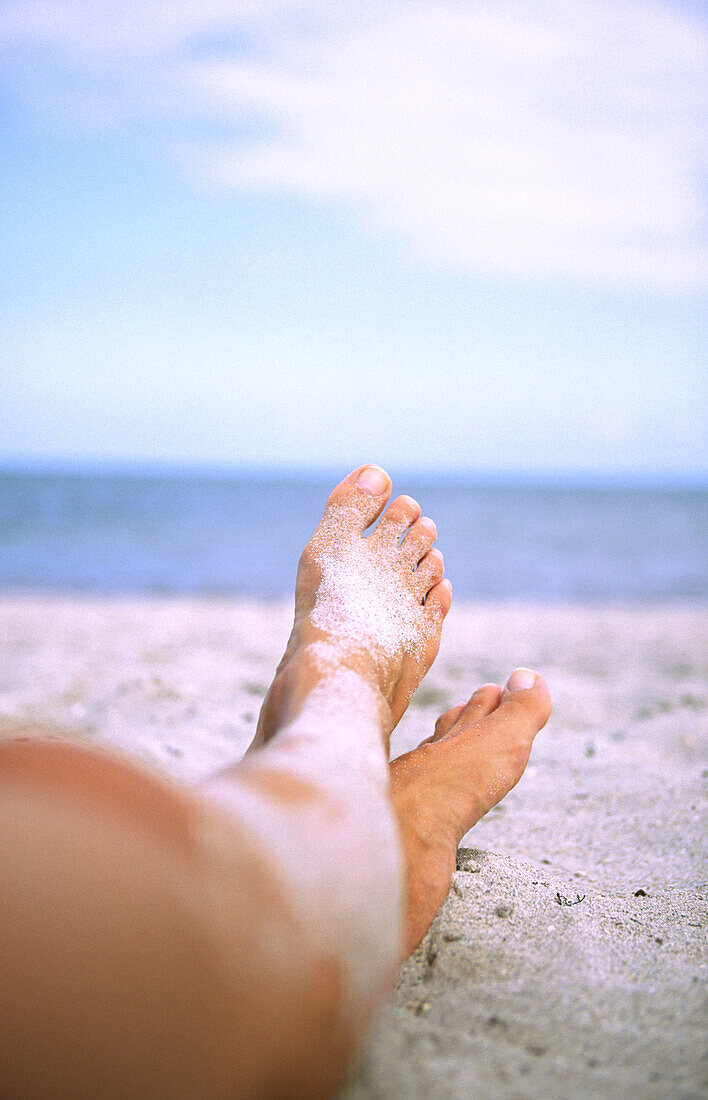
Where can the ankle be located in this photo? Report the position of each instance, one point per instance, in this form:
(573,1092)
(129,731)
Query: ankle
(312,665)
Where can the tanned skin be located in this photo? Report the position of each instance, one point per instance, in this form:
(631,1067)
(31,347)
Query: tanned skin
(155,942)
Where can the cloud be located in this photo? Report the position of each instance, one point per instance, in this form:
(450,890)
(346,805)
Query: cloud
(559,139)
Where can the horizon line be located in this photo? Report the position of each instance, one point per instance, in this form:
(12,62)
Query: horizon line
(492,477)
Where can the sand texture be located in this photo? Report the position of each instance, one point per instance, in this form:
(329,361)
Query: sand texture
(569,957)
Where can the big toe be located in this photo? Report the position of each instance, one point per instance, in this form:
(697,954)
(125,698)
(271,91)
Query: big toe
(358,500)
(525,701)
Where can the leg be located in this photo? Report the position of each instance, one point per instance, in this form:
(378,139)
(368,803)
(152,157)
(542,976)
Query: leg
(368,615)
(232,942)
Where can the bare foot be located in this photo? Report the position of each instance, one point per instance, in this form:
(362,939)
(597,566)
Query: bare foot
(441,789)
(371,604)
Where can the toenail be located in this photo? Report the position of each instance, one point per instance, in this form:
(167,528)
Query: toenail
(428,524)
(521,680)
(372,480)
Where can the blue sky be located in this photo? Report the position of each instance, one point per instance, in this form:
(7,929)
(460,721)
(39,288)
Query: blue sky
(429,233)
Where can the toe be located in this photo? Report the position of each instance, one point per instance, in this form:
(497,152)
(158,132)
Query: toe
(446,721)
(526,701)
(356,502)
(398,517)
(429,573)
(484,700)
(439,599)
(419,539)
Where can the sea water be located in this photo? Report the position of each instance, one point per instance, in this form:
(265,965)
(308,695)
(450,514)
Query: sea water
(242,535)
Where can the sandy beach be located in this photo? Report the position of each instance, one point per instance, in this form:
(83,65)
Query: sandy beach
(569,957)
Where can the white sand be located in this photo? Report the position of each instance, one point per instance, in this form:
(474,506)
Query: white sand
(514,993)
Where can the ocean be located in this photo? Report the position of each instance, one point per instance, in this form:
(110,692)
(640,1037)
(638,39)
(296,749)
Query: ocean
(242,535)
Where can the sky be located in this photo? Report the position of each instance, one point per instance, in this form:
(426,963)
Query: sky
(435,234)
